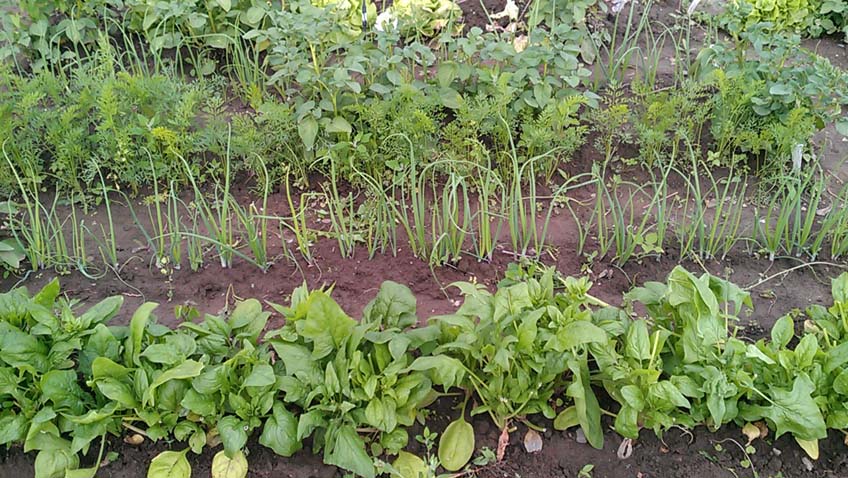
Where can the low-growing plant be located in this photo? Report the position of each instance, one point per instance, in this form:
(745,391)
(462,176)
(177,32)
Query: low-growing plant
(348,379)
(769,102)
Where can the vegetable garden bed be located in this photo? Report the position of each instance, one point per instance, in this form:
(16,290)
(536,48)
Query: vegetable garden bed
(264,170)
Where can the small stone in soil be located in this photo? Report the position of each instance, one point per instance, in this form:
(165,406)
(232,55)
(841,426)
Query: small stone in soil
(579,436)
(807,463)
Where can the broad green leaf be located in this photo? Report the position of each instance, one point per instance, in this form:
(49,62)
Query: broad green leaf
(280,432)
(842,127)
(575,334)
(138,324)
(586,404)
(633,397)
(339,125)
(840,383)
(394,77)
(21,350)
(48,294)
(394,306)
(82,473)
(170,464)
(233,434)
(226,467)
(445,371)
(225,4)
(685,288)
(308,131)
(62,389)
(752,351)
(782,331)
(200,404)
(12,427)
(55,463)
(407,465)
(346,450)
(456,445)
(297,359)
(162,354)
(450,98)
(11,253)
(326,324)
(248,320)
(795,411)
(839,285)
(566,419)
(187,369)
(262,375)
(780,89)
(805,351)
(253,16)
(637,345)
(627,422)
(665,391)
(103,310)
(394,441)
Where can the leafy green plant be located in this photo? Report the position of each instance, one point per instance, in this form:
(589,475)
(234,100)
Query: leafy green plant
(515,348)
(46,350)
(346,377)
(771,101)
(811,17)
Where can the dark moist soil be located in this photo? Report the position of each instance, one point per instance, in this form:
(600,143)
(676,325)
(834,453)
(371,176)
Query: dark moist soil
(701,454)
(679,454)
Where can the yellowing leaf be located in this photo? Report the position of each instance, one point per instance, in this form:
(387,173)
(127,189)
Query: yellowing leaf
(810,446)
(170,464)
(226,467)
(407,465)
(456,445)
(751,431)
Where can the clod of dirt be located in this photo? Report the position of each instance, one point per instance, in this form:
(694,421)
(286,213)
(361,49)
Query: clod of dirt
(532,441)
(580,437)
(807,463)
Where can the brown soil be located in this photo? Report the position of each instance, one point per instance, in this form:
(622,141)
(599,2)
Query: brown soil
(700,455)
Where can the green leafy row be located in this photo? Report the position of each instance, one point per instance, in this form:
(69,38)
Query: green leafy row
(810,17)
(539,345)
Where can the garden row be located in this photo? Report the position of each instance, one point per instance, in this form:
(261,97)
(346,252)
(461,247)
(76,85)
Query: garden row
(442,143)
(539,349)
(366,104)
